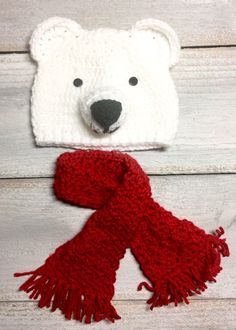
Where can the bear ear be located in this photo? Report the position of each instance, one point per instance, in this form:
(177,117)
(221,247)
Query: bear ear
(43,35)
(164,29)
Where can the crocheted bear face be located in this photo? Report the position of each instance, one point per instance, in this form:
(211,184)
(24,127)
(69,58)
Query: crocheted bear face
(104,88)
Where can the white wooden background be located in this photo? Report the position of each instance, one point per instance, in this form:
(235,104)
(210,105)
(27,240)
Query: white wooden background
(195,178)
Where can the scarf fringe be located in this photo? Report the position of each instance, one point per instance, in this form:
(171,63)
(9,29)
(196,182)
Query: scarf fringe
(73,304)
(176,289)
(85,307)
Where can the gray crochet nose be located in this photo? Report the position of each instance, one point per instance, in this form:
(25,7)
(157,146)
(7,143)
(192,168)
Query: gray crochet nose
(106,113)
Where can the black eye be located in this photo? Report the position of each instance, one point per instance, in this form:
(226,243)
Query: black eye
(78,82)
(133,81)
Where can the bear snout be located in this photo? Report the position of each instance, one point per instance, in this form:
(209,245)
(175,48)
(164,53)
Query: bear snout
(106,113)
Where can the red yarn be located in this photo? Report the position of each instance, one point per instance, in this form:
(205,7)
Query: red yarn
(175,256)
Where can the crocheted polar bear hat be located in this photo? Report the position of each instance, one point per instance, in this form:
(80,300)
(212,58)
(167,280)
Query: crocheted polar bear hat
(104,88)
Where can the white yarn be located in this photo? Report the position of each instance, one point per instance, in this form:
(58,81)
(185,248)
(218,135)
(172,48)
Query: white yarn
(104,59)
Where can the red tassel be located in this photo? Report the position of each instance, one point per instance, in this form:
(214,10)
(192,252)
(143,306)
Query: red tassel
(176,289)
(73,304)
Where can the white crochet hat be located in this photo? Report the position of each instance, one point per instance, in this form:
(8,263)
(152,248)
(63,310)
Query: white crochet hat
(104,88)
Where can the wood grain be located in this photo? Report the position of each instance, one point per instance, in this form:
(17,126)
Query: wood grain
(33,224)
(199,315)
(205,142)
(198,23)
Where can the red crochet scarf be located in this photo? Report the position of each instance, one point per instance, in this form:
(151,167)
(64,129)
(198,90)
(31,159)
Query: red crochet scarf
(174,255)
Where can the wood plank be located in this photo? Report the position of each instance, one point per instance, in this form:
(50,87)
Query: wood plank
(205,142)
(196,22)
(33,224)
(212,314)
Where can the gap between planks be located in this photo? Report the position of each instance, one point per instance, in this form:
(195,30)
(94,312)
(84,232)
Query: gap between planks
(148,174)
(14,51)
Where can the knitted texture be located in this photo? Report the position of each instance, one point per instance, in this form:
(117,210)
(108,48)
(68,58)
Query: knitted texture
(175,256)
(78,67)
